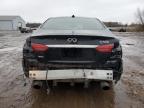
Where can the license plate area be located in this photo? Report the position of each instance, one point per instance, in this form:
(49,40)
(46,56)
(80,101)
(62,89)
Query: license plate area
(71,52)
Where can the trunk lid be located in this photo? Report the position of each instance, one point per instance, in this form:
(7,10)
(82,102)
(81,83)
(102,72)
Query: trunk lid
(60,50)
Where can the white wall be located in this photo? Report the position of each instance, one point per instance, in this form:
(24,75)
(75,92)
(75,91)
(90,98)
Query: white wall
(17,21)
(6,25)
(12,24)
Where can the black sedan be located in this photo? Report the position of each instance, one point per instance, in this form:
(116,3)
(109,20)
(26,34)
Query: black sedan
(72,49)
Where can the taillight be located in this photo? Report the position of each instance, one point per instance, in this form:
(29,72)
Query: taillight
(39,47)
(105,48)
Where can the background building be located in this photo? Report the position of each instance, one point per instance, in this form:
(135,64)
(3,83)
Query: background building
(11,22)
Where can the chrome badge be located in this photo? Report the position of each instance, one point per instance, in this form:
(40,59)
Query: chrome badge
(72,40)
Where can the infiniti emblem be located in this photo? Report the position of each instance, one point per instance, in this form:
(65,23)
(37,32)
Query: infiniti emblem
(72,40)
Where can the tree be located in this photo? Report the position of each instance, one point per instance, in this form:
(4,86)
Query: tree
(140,17)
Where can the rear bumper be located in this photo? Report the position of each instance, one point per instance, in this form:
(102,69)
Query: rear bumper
(74,74)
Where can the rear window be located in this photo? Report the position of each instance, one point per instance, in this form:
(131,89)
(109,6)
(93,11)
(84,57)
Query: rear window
(73,24)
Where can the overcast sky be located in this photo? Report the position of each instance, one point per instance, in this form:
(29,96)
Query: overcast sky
(39,10)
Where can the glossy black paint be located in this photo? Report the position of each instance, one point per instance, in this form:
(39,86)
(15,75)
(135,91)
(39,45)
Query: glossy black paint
(73,58)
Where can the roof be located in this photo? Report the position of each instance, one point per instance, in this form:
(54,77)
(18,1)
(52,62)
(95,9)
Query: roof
(8,17)
(74,17)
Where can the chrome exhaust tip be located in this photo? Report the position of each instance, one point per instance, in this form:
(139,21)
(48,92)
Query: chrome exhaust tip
(105,85)
(37,84)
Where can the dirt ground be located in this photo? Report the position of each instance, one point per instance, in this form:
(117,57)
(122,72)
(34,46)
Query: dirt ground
(128,93)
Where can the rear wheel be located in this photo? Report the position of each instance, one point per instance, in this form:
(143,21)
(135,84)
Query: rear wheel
(25,68)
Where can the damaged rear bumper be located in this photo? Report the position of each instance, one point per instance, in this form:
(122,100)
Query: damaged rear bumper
(75,74)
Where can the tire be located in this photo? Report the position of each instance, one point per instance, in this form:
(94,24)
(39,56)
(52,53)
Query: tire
(25,67)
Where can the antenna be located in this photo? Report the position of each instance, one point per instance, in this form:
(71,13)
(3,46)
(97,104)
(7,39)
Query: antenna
(73,16)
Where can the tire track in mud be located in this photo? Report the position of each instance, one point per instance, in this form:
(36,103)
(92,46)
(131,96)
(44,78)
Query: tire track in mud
(75,98)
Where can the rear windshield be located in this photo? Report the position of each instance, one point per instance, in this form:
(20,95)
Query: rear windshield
(73,24)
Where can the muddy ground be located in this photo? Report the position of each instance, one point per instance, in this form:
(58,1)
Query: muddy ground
(128,93)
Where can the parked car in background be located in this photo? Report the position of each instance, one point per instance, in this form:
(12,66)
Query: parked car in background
(25,29)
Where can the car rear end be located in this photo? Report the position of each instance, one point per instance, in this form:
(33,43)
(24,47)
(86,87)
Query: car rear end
(75,57)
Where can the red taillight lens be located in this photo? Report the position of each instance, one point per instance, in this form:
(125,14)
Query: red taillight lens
(105,48)
(39,47)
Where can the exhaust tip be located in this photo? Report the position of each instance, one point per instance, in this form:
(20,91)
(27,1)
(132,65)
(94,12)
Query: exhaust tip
(105,85)
(106,88)
(37,84)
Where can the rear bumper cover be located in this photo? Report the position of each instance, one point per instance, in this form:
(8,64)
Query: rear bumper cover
(87,74)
